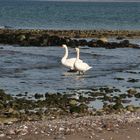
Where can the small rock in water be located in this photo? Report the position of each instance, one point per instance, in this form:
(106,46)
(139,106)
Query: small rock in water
(133,80)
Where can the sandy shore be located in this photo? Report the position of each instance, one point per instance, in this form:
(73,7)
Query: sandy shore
(59,117)
(107,127)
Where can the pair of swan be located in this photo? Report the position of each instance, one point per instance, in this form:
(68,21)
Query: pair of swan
(74,63)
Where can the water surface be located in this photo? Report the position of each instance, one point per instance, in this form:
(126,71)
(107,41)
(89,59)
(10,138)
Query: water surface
(70,15)
(38,69)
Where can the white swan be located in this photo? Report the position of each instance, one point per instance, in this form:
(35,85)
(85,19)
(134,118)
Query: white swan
(69,63)
(80,65)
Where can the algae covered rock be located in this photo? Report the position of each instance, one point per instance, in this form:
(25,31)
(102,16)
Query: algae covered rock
(130,108)
(4,96)
(82,108)
(132,91)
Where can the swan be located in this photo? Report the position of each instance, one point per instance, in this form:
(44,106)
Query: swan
(80,65)
(69,63)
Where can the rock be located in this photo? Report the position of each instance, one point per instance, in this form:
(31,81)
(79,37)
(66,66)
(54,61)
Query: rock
(120,37)
(92,43)
(82,108)
(73,102)
(124,43)
(38,96)
(137,95)
(133,80)
(44,42)
(2,135)
(82,42)
(103,39)
(21,37)
(11,132)
(132,91)
(61,129)
(118,78)
(118,106)
(126,101)
(130,108)
(123,95)
(11,110)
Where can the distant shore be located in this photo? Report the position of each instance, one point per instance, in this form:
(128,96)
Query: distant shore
(72,38)
(77,33)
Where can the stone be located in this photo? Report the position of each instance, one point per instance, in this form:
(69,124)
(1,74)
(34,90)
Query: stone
(120,37)
(73,102)
(132,91)
(2,135)
(103,39)
(130,108)
(133,80)
(137,95)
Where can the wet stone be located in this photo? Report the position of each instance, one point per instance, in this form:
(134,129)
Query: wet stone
(133,80)
(132,91)
(118,78)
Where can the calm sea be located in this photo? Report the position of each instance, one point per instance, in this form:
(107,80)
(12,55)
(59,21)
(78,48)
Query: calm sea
(69,15)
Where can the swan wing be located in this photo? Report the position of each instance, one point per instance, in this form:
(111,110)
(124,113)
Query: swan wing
(70,63)
(82,66)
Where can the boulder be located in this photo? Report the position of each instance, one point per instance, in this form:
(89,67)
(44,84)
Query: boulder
(103,39)
(124,43)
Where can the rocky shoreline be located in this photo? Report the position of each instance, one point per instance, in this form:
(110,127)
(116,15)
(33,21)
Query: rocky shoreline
(56,105)
(64,116)
(98,38)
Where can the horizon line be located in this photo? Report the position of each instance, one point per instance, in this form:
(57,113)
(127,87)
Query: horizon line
(78,1)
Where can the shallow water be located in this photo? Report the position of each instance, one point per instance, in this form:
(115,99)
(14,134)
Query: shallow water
(38,69)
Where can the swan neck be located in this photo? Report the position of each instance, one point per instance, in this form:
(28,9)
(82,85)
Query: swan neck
(78,55)
(66,53)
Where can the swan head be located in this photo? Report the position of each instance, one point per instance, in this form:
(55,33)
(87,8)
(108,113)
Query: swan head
(64,46)
(77,49)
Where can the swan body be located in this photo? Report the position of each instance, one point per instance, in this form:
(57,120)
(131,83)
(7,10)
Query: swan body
(80,65)
(69,63)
